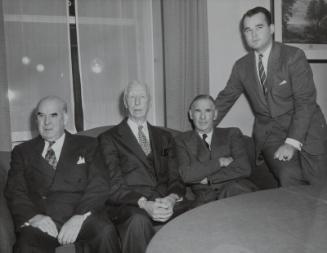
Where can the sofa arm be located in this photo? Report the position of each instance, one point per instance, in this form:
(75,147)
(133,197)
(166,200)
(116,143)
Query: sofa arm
(7,235)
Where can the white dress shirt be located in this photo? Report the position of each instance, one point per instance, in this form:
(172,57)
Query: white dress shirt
(265,57)
(134,127)
(208,138)
(57,147)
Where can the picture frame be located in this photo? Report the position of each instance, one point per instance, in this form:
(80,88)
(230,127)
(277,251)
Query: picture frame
(296,24)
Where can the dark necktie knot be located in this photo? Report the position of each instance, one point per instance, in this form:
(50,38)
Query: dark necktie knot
(51,144)
(204,137)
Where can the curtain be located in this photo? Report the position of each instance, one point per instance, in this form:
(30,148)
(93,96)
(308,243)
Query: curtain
(4,103)
(38,59)
(186,57)
(116,47)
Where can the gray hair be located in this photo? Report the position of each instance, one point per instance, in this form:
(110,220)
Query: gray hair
(53,98)
(199,97)
(132,83)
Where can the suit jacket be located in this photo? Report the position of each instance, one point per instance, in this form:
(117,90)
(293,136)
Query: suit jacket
(289,109)
(196,161)
(34,187)
(130,173)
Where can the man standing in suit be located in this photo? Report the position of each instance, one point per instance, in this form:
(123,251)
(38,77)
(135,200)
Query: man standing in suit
(53,192)
(213,161)
(140,163)
(290,130)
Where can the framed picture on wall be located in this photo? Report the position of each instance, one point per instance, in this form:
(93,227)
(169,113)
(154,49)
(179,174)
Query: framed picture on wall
(302,23)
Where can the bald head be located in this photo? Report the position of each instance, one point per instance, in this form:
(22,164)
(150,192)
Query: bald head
(51,115)
(53,99)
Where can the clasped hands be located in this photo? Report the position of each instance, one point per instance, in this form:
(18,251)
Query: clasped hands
(161,209)
(285,152)
(69,231)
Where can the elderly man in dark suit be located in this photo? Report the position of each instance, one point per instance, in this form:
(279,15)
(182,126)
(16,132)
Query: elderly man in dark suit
(53,193)
(213,161)
(140,164)
(290,130)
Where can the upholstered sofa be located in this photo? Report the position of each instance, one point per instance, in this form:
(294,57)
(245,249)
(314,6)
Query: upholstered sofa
(7,236)
(260,176)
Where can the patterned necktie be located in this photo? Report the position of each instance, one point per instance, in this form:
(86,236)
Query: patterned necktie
(262,74)
(204,137)
(145,144)
(50,156)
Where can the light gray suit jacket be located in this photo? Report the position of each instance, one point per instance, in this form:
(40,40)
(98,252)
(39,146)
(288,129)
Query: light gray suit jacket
(289,109)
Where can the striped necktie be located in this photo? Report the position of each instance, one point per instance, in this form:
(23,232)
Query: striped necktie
(50,156)
(144,143)
(262,74)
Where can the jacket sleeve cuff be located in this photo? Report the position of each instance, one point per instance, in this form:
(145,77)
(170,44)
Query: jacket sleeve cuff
(296,144)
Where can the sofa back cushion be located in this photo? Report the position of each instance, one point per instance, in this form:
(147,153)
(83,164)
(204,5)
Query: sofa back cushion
(4,167)
(95,132)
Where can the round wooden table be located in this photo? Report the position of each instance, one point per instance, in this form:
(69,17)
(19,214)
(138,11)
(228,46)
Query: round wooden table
(283,220)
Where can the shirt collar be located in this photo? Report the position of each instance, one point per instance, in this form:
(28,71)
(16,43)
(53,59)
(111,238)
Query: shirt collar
(209,136)
(134,124)
(265,57)
(134,127)
(57,146)
(265,54)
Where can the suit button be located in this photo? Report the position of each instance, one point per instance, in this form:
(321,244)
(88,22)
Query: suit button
(44,197)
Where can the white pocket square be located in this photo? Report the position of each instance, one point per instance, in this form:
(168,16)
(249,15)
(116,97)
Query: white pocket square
(282,82)
(81,160)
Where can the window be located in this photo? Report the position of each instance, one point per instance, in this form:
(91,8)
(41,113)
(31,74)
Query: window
(114,44)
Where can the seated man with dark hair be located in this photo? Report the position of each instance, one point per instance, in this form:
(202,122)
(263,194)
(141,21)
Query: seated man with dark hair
(212,160)
(53,193)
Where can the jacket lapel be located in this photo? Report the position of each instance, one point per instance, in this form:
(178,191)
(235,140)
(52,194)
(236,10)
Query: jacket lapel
(215,143)
(273,65)
(219,143)
(40,164)
(130,142)
(156,147)
(67,155)
(197,147)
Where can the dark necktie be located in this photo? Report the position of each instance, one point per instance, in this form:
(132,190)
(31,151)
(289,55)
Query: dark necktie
(50,156)
(262,74)
(144,143)
(204,137)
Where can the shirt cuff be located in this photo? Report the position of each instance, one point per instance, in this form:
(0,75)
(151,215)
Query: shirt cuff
(296,144)
(26,224)
(176,197)
(86,215)
(141,202)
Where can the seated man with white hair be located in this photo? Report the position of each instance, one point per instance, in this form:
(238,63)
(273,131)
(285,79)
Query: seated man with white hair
(140,164)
